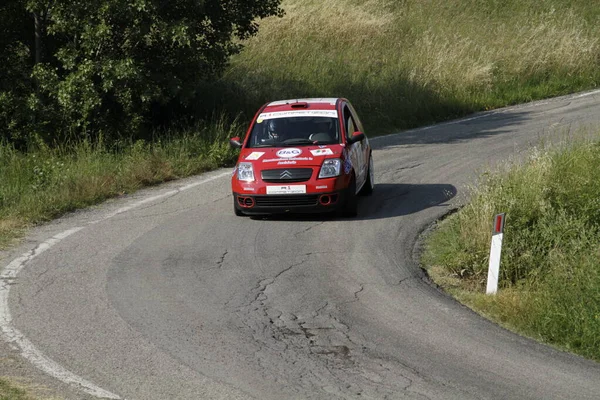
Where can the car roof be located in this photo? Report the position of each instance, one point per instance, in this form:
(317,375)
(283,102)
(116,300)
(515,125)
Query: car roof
(328,103)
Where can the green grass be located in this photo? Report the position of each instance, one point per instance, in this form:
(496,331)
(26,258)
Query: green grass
(46,182)
(550,271)
(413,62)
(8,391)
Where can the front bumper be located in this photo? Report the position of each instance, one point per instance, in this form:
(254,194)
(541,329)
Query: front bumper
(289,203)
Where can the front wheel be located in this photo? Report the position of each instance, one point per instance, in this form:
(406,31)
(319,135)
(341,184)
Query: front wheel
(369,185)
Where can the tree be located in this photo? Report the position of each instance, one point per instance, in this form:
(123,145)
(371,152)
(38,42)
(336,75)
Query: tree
(102,66)
(15,81)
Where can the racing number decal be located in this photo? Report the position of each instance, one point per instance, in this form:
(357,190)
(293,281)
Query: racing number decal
(356,151)
(358,160)
(362,145)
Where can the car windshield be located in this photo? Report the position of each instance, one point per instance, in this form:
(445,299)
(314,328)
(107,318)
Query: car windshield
(294,131)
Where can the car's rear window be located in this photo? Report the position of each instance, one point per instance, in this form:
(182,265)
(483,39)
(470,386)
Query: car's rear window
(295,131)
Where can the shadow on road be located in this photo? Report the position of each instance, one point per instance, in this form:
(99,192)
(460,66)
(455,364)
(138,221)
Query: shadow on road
(388,200)
(396,199)
(483,125)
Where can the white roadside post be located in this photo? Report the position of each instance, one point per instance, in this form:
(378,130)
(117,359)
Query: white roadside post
(495,251)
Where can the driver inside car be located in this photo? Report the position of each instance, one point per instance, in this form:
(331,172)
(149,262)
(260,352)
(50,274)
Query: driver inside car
(274,131)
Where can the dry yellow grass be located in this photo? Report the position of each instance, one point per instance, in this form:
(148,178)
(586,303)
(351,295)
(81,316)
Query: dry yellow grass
(10,228)
(418,53)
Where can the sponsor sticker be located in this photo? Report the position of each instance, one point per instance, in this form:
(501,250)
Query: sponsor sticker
(322,187)
(297,113)
(286,189)
(347,165)
(288,153)
(249,189)
(321,152)
(255,155)
(279,160)
(286,162)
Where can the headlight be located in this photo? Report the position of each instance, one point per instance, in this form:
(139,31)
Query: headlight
(330,168)
(245,172)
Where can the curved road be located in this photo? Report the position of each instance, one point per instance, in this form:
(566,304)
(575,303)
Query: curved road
(173,297)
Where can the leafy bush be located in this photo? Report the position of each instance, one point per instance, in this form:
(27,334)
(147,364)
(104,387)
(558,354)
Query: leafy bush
(112,68)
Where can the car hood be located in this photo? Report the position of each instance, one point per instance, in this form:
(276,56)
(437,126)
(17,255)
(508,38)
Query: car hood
(290,157)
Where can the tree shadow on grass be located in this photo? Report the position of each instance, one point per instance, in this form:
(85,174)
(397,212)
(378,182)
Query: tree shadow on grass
(385,106)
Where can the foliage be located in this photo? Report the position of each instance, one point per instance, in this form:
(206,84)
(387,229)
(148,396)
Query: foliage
(550,273)
(113,66)
(46,182)
(13,391)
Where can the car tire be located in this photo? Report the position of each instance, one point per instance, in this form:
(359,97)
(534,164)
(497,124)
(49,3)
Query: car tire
(236,210)
(350,208)
(369,185)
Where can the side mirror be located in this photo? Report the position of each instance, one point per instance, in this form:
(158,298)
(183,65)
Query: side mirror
(356,137)
(235,142)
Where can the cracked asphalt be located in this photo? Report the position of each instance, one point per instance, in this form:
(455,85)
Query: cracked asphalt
(180,299)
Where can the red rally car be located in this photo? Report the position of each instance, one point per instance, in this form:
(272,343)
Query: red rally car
(304,155)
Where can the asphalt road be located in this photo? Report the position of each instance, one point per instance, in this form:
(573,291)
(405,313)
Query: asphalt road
(176,298)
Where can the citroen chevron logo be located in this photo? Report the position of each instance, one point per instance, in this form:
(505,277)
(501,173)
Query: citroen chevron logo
(285,175)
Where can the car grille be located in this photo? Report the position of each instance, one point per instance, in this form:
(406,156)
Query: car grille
(287,175)
(286,200)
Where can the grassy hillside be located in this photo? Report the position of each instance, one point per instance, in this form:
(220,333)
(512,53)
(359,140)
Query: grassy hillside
(403,63)
(550,271)
(411,62)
